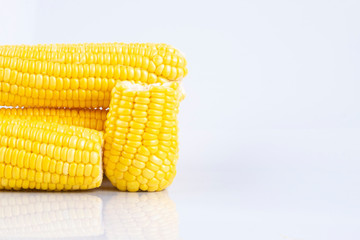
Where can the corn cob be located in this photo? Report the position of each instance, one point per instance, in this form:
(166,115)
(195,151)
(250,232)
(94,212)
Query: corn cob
(88,118)
(48,156)
(81,75)
(150,216)
(141,136)
(40,215)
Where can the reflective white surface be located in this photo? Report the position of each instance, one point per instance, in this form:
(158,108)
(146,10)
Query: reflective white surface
(294,184)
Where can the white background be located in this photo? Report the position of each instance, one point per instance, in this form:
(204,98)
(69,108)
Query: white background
(270,127)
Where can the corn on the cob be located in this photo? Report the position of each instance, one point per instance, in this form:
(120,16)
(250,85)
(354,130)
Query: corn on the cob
(88,118)
(48,156)
(40,215)
(141,136)
(81,75)
(150,216)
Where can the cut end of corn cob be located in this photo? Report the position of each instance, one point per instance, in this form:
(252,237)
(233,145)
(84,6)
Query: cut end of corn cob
(87,118)
(49,156)
(141,136)
(81,75)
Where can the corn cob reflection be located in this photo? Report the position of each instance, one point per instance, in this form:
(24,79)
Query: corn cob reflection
(150,216)
(40,215)
(115,215)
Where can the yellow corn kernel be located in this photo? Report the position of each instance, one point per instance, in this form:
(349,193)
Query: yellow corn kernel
(41,164)
(139,156)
